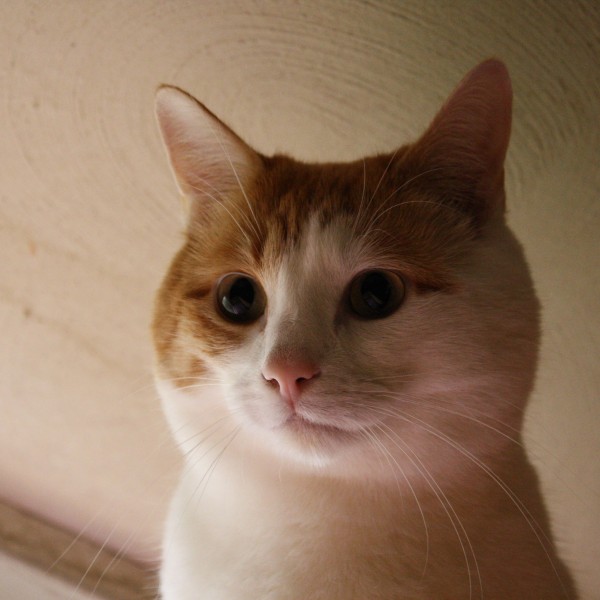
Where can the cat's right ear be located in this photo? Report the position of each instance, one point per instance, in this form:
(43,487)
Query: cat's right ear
(209,161)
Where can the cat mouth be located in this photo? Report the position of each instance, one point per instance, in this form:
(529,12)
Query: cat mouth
(312,441)
(300,424)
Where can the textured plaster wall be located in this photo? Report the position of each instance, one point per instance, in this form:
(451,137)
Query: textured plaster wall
(89,216)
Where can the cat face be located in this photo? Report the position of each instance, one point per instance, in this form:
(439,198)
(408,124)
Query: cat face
(341,311)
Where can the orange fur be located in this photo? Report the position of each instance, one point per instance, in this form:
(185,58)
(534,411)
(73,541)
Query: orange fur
(398,471)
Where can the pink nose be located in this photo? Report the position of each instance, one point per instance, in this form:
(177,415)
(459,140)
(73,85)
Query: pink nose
(290,377)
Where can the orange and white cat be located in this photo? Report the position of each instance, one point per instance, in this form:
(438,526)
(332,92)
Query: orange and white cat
(344,354)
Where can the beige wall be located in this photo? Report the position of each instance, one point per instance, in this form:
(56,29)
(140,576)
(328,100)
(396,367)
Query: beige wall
(89,216)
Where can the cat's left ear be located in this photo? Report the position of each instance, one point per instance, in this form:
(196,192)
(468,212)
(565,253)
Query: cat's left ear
(467,140)
(209,161)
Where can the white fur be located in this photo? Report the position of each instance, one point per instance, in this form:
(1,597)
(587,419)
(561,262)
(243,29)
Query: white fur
(266,512)
(401,477)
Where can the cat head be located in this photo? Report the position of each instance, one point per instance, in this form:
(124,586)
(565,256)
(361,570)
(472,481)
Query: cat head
(336,311)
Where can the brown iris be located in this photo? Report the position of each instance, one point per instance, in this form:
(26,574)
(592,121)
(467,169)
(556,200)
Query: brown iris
(239,298)
(376,294)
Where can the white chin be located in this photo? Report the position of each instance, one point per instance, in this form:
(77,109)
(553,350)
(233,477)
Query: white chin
(310,445)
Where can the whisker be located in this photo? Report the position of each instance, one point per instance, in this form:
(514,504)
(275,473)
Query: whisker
(537,530)
(358,216)
(256,225)
(193,460)
(372,197)
(409,181)
(385,209)
(387,168)
(474,419)
(446,505)
(107,539)
(224,206)
(167,438)
(213,465)
(390,457)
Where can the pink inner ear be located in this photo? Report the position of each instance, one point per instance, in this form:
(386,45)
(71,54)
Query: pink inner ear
(207,158)
(472,129)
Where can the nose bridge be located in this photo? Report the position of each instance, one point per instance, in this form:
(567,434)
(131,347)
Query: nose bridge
(297,325)
(295,335)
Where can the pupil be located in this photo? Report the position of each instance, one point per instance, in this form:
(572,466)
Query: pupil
(240,297)
(376,291)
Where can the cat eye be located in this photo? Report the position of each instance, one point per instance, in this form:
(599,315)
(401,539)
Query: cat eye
(239,298)
(376,294)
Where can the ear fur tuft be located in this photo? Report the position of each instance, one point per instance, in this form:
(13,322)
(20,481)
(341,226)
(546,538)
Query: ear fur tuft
(208,160)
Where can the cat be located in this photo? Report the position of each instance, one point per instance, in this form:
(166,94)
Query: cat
(344,354)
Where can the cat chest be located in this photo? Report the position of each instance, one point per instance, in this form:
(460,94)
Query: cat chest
(285,547)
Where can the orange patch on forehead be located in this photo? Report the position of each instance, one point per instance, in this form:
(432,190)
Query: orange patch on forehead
(390,206)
